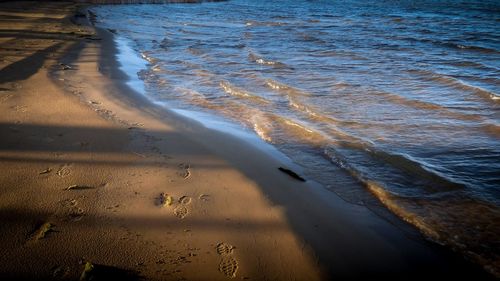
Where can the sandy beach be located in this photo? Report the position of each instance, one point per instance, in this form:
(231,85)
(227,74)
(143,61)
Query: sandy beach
(92,173)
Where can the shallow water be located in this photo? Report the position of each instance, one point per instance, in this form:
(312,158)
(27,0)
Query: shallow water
(398,98)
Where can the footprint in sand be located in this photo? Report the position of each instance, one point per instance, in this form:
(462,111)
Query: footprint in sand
(180,212)
(224,249)
(20,108)
(72,211)
(3,98)
(204,197)
(228,264)
(64,171)
(41,231)
(76,214)
(184,171)
(185,200)
(61,272)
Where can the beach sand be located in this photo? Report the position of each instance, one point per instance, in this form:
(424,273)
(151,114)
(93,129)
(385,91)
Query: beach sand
(92,172)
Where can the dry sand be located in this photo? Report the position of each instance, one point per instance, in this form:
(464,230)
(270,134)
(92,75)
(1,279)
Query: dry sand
(93,172)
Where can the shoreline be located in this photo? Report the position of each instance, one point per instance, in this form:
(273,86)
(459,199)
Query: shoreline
(131,63)
(90,130)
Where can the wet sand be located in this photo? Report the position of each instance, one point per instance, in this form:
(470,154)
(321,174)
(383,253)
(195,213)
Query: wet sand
(94,172)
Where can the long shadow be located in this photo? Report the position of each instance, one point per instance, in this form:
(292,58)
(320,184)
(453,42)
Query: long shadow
(30,143)
(18,216)
(100,272)
(28,34)
(12,218)
(25,68)
(52,138)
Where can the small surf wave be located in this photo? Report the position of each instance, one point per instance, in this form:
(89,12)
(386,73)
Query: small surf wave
(471,48)
(426,214)
(149,58)
(428,106)
(398,165)
(251,23)
(314,115)
(394,204)
(262,127)
(461,213)
(306,37)
(260,60)
(297,130)
(340,54)
(240,93)
(457,84)
(492,129)
(473,64)
(285,89)
(450,44)
(432,180)
(310,111)
(408,208)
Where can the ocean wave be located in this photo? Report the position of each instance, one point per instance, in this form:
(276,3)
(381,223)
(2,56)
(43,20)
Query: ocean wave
(262,126)
(451,45)
(339,54)
(423,105)
(478,218)
(309,110)
(314,114)
(471,48)
(367,159)
(195,50)
(295,96)
(309,38)
(251,23)
(249,116)
(240,93)
(260,60)
(297,130)
(457,84)
(466,63)
(394,204)
(434,180)
(492,129)
(147,56)
(285,89)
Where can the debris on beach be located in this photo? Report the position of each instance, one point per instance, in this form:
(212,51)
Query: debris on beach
(87,273)
(105,272)
(165,199)
(64,66)
(42,231)
(291,173)
(78,187)
(184,170)
(46,171)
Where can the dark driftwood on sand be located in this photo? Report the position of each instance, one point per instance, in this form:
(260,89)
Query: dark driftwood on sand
(291,173)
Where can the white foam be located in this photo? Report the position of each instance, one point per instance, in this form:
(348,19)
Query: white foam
(130,63)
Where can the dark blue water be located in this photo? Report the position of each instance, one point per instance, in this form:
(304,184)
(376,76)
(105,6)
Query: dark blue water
(398,98)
